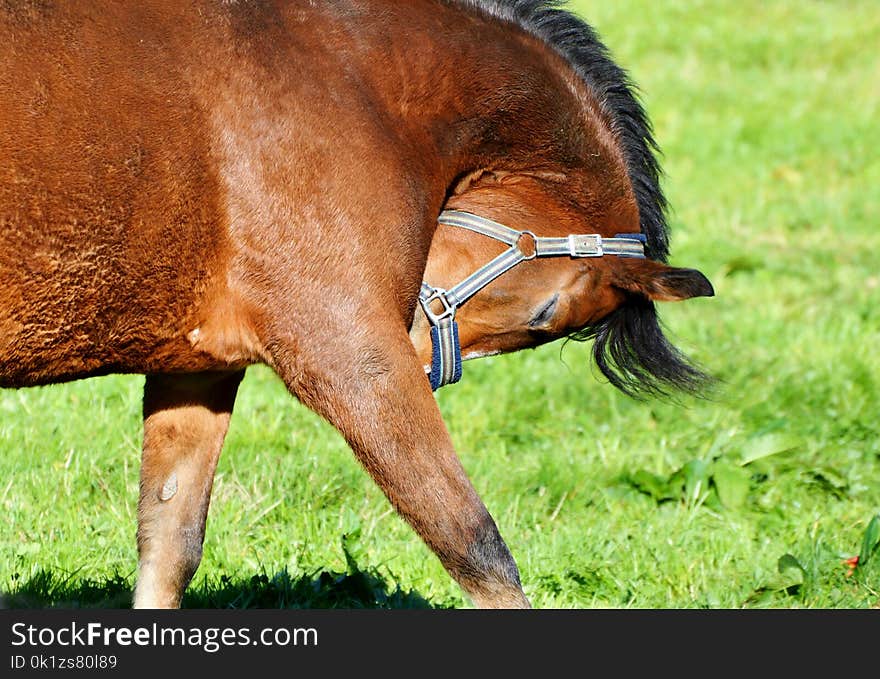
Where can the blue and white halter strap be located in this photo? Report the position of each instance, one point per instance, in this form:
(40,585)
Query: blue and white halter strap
(440,305)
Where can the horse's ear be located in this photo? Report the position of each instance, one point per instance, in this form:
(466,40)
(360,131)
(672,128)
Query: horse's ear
(660,282)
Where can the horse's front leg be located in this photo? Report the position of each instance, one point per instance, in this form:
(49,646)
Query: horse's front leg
(370,385)
(185,422)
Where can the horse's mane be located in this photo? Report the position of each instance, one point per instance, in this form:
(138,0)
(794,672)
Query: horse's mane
(629,348)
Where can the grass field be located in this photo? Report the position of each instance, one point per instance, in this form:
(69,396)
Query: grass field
(767,116)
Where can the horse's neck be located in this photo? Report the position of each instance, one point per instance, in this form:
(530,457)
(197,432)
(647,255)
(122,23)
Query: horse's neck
(474,87)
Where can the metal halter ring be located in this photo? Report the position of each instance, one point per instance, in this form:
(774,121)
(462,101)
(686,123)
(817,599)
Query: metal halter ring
(534,249)
(448,307)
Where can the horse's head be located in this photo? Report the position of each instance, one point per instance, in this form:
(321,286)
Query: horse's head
(538,299)
(556,145)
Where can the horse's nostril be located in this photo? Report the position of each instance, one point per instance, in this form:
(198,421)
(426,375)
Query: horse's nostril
(545,312)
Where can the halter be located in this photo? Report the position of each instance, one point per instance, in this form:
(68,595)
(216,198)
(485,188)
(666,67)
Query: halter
(524,246)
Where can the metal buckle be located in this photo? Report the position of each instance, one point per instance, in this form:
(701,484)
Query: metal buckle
(448,308)
(585,245)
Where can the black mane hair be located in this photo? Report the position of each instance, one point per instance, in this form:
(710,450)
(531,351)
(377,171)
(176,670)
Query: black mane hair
(629,346)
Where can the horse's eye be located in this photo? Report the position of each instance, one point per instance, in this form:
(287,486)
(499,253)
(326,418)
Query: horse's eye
(545,312)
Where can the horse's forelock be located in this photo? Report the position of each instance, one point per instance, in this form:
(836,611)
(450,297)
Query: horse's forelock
(631,351)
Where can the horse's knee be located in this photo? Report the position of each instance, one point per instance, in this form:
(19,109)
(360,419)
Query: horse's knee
(190,555)
(169,542)
(490,555)
(486,569)
(176,533)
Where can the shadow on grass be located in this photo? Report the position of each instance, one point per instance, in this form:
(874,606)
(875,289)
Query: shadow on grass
(354,589)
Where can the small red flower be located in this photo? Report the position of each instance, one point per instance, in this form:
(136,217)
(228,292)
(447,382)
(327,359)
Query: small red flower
(851,563)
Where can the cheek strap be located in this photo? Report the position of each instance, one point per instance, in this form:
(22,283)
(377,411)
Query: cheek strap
(445,354)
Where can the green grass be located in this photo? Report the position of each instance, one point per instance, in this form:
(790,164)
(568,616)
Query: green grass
(767,115)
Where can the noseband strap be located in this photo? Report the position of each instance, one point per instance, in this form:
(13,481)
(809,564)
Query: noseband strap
(440,305)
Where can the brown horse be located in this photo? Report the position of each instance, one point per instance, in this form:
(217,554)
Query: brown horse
(187,189)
